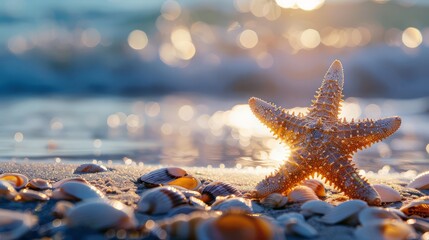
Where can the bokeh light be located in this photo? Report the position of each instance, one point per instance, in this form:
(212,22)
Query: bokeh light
(412,37)
(310,38)
(248,38)
(137,40)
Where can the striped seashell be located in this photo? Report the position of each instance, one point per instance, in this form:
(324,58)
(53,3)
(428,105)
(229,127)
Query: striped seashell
(216,189)
(65,180)
(28,195)
(61,208)
(301,194)
(162,176)
(367,215)
(76,191)
(100,214)
(184,209)
(7,190)
(419,206)
(90,168)
(38,184)
(231,202)
(317,187)
(300,228)
(14,224)
(420,182)
(385,229)
(275,201)
(387,193)
(313,207)
(188,182)
(345,212)
(160,200)
(188,193)
(197,203)
(17,180)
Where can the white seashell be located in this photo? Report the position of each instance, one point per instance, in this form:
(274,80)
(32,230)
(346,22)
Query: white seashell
(419,206)
(215,189)
(385,229)
(76,191)
(17,180)
(313,207)
(301,194)
(14,224)
(188,193)
(420,182)
(188,182)
(28,195)
(162,176)
(197,203)
(368,215)
(317,187)
(160,200)
(90,168)
(300,228)
(387,193)
(345,211)
(274,200)
(75,179)
(231,202)
(286,217)
(38,184)
(100,214)
(7,190)
(61,208)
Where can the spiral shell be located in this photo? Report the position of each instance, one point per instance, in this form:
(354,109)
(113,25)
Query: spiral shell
(17,180)
(38,184)
(28,195)
(160,200)
(313,207)
(385,229)
(162,176)
(317,187)
(274,200)
(231,202)
(387,194)
(345,211)
(14,224)
(76,191)
(90,168)
(302,194)
(419,206)
(215,189)
(420,182)
(188,182)
(7,190)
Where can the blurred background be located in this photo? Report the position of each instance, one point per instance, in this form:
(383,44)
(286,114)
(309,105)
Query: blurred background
(140,82)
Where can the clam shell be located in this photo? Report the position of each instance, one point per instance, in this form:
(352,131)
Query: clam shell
(387,193)
(160,200)
(385,229)
(274,200)
(302,194)
(38,184)
(188,182)
(14,224)
(215,189)
(76,191)
(197,203)
(100,214)
(61,208)
(7,190)
(231,202)
(345,211)
(286,217)
(90,168)
(300,228)
(75,179)
(17,180)
(367,215)
(188,193)
(317,187)
(28,195)
(419,206)
(313,207)
(162,176)
(420,182)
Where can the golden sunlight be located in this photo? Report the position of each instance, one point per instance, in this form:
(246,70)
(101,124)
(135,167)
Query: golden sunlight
(307,5)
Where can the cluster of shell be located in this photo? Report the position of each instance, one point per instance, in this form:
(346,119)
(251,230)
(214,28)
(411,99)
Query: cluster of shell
(176,205)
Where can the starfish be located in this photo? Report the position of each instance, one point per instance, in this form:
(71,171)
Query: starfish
(320,142)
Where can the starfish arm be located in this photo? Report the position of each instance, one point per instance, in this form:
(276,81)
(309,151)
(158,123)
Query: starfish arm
(362,134)
(341,173)
(287,127)
(283,179)
(328,98)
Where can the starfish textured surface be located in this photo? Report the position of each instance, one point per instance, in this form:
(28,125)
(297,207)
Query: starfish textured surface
(321,143)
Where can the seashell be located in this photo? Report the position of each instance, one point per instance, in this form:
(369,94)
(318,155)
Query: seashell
(345,211)
(76,191)
(420,182)
(300,228)
(312,207)
(75,179)
(101,214)
(7,190)
(185,209)
(316,185)
(274,200)
(188,182)
(228,203)
(61,208)
(367,215)
(188,193)
(286,217)
(215,189)
(162,176)
(302,194)
(90,168)
(387,193)
(17,180)
(160,200)
(419,225)
(28,195)
(419,206)
(14,225)
(197,203)
(38,184)
(385,229)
